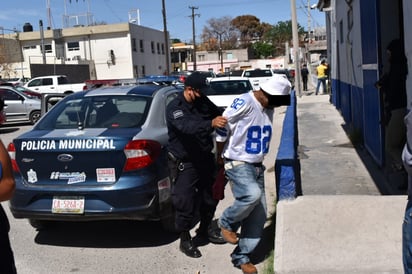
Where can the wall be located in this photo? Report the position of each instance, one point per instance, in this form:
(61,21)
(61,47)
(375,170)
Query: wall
(407,17)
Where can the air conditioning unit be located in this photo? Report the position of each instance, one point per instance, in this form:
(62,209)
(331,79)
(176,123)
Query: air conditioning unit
(76,57)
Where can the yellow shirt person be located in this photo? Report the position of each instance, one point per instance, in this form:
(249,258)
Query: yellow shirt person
(321,72)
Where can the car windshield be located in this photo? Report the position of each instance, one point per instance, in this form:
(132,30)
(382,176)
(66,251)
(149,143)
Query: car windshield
(228,87)
(97,112)
(258,73)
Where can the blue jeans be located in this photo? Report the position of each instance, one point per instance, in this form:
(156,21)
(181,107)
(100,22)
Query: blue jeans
(248,210)
(323,82)
(407,239)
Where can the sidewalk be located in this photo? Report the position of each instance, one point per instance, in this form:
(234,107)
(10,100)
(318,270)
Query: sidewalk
(342,223)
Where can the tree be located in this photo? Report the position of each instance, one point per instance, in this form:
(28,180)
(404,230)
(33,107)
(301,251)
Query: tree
(262,50)
(279,34)
(216,29)
(249,27)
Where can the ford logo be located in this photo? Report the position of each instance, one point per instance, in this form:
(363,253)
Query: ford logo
(65,157)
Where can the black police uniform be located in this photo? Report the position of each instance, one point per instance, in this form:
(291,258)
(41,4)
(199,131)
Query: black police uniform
(6,254)
(191,143)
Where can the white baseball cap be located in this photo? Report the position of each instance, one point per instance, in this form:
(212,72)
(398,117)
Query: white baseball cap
(278,84)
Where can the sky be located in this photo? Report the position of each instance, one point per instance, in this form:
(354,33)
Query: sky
(14,14)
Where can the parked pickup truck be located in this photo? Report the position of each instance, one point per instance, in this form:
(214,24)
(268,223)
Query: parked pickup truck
(257,76)
(53,84)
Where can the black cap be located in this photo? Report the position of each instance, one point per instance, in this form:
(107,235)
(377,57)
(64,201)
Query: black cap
(196,80)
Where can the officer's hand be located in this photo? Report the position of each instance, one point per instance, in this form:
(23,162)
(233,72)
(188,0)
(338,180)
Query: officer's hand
(219,121)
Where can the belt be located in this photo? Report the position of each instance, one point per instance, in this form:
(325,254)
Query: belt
(232,163)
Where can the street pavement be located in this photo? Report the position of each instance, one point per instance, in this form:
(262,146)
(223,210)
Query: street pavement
(349,218)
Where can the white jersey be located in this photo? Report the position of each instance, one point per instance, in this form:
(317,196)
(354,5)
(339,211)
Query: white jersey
(248,131)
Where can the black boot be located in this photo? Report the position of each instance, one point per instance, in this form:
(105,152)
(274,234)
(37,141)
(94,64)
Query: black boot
(209,231)
(187,247)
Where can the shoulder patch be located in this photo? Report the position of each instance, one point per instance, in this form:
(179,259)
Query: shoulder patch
(237,103)
(177,114)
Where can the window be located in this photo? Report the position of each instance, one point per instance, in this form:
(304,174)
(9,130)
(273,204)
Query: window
(47,48)
(134,47)
(72,46)
(143,71)
(9,95)
(163,48)
(29,47)
(153,47)
(141,45)
(47,81)
(158,48)
(201,57)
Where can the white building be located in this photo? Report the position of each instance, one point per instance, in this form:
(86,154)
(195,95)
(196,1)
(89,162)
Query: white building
(115,51)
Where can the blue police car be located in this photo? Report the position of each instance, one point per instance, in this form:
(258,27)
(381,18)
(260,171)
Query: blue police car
(96,155)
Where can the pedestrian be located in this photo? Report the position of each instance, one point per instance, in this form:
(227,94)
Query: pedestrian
(322,74)
(242,145)
(304,72)
(393,86)
(407,222)
(191,120)
(7,185)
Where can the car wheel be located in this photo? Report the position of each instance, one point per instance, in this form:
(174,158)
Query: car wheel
(39,224)
(34,116)
(168,219)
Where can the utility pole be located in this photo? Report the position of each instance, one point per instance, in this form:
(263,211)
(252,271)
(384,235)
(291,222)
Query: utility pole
(166,37)
(295,46)
(194,35)
(220,50)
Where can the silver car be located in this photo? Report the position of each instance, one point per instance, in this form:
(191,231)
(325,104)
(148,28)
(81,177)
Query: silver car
(19,107)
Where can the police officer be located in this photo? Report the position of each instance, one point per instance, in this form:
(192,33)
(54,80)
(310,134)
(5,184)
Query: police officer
(191,120)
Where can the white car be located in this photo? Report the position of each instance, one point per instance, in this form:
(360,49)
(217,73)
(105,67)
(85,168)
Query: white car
(223,90)
(257,76)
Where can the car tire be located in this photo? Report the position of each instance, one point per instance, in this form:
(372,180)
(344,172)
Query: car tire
(34,116)
(39,224)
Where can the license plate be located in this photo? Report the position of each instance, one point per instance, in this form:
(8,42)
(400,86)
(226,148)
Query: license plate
(68,205)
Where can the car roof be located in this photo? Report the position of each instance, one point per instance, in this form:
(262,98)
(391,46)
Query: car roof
(228,78)
(145,90)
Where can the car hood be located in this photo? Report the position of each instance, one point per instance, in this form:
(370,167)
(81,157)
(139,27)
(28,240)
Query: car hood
(70,156)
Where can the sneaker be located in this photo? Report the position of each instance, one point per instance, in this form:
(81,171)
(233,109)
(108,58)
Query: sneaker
(229,236)
(248,268)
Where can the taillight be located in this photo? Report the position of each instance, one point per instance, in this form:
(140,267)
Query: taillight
(12,152)
(141,153)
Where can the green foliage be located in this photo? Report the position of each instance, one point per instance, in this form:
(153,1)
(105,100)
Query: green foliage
(262,50)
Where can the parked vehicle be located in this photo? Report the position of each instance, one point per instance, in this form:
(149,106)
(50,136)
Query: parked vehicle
(53,84)
(28,92)
(257,76)
(96,155)
(18,81)
(287,73)
(19,107)
(3,118)
(223,90)
(181,74)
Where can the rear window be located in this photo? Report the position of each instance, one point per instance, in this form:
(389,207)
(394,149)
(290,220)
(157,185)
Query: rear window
(97,112)
(228,87)
(258,73)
